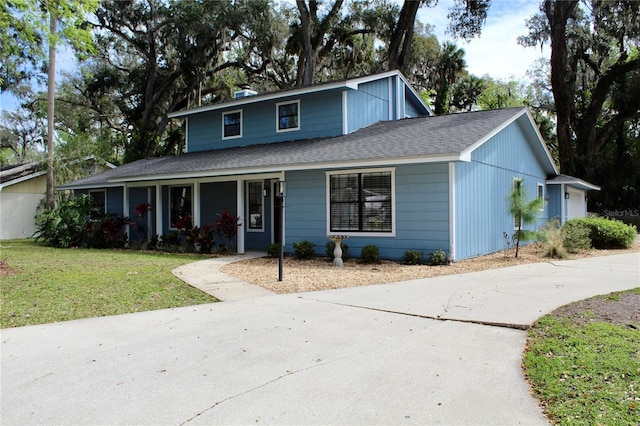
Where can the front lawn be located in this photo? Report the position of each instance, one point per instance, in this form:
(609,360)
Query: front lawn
(41,284)
(583,361)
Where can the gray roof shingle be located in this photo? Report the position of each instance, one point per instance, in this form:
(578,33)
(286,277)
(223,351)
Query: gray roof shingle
(436,136)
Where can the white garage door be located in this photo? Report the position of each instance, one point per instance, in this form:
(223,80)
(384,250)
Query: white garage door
(576,205)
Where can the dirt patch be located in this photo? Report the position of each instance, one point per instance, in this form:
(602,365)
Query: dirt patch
(6,269)
(320,274)
(615,308)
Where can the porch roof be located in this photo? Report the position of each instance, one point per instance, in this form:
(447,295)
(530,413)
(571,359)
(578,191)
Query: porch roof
(411,140)
(572,181)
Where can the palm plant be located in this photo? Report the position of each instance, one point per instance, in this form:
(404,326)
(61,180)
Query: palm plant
(524,211)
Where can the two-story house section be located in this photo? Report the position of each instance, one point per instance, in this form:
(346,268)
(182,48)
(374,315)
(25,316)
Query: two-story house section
(323,110)
(364,157)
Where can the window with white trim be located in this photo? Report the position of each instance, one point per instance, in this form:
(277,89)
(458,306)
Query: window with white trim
(541,194)
(255,205)
(361,201)
(99,200)
(288,116)
(180,204)
(232,124)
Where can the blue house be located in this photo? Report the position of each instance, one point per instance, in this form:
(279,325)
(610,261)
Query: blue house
(365,158)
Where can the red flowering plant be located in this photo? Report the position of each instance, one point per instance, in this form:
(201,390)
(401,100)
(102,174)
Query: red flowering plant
(183,224)
(141,211)
(200,238)
(227,227)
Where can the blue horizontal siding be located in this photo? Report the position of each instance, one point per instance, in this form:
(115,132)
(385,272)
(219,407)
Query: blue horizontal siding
(422,211)
(320,116)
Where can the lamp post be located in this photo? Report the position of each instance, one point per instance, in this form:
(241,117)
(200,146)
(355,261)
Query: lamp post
(281,193)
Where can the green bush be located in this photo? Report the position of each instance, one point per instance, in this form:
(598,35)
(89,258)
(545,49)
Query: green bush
(331,245)
(76,223)
(273,250)
(552,239)
(576,236)
(412,257)
(304,249)
(437,257)
(608,233)
(370,254)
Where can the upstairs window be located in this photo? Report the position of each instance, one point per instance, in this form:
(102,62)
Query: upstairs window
(180,202)
(232,124)
(288,114)
(361,202)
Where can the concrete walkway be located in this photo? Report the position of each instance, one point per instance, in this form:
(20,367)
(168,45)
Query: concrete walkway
(206,276)
(365,355)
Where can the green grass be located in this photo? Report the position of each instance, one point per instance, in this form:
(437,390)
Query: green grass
(585,374)
(52,284)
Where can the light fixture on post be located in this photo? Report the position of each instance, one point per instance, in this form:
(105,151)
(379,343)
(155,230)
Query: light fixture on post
(280,189)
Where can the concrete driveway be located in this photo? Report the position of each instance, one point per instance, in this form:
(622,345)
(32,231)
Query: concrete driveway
(367,355)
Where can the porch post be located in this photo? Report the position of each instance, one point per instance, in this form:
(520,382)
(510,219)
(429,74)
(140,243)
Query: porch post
(158,210)
(125,206)
(149,221)
(196,204)
(239,213)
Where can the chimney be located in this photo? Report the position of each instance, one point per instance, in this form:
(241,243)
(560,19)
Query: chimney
(245,91)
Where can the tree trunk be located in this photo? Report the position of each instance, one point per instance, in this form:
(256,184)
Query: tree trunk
(402,37)
(562,79)
(308,55)
(51,88)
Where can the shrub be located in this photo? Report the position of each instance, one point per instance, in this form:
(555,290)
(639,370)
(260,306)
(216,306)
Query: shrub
(438,257)
(552,239)
(273,250)
(576,236)
(75,222)
(304,249)
(226,227)
(608,233)
(331,245)
(370,254)
(412,257)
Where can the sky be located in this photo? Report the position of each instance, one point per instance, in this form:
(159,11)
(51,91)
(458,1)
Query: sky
(496,52)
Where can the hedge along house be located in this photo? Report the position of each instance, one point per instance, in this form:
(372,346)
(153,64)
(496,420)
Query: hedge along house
(363,157)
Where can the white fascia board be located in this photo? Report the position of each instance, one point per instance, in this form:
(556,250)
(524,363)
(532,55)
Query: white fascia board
(22,179)
(348,84)
(289,167)
(465,155)
(92,186)
(576,183)
(542,142)
(207,179)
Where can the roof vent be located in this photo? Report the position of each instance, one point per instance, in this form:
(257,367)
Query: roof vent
(244,92)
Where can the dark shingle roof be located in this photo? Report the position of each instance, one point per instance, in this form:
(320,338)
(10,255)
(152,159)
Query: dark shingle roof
(438,136)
